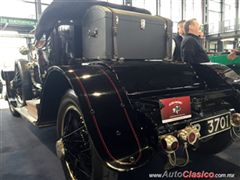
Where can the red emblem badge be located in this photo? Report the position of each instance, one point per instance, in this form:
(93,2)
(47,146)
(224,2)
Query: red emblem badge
(175,109)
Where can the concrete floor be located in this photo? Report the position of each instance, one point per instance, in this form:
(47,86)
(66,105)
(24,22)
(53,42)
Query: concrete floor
(28,153)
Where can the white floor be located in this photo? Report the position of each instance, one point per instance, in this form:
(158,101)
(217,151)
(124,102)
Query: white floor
(3,104)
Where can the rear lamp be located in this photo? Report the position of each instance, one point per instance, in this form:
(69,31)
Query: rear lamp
(189,134)
(169,143)
(235,121)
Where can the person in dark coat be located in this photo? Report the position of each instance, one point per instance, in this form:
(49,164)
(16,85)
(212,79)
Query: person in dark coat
(177,41)
(191,47)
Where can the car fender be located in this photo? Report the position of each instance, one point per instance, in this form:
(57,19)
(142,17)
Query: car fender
(109,117)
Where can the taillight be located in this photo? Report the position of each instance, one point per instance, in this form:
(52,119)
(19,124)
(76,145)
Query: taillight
(189,134)
(169,143)
(235,121)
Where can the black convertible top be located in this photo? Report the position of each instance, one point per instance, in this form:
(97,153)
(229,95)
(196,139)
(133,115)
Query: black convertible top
(71,10)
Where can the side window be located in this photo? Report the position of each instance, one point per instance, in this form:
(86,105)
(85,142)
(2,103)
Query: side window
(43,44)
(66,37)
(42,52)
(64,44)
(59,46)
(70,37)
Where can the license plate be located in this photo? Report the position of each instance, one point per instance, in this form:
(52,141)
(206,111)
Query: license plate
(213,125)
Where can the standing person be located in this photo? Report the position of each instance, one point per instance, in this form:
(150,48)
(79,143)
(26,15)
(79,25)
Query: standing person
(177,41)
(191,48)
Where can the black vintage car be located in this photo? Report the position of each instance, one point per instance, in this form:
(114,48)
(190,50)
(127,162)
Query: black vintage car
(103,76)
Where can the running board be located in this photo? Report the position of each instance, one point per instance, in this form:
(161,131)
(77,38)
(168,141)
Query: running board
(32,107)
(25,113)
(30,111)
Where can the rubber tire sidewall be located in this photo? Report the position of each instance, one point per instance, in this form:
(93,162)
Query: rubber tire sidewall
(99,170)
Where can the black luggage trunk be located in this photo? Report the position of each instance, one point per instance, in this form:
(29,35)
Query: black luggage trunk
(114,34)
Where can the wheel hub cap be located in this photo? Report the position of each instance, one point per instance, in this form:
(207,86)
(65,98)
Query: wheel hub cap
(60,148)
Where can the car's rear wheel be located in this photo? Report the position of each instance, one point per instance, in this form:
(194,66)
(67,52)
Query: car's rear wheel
(74,147)
(215,144)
